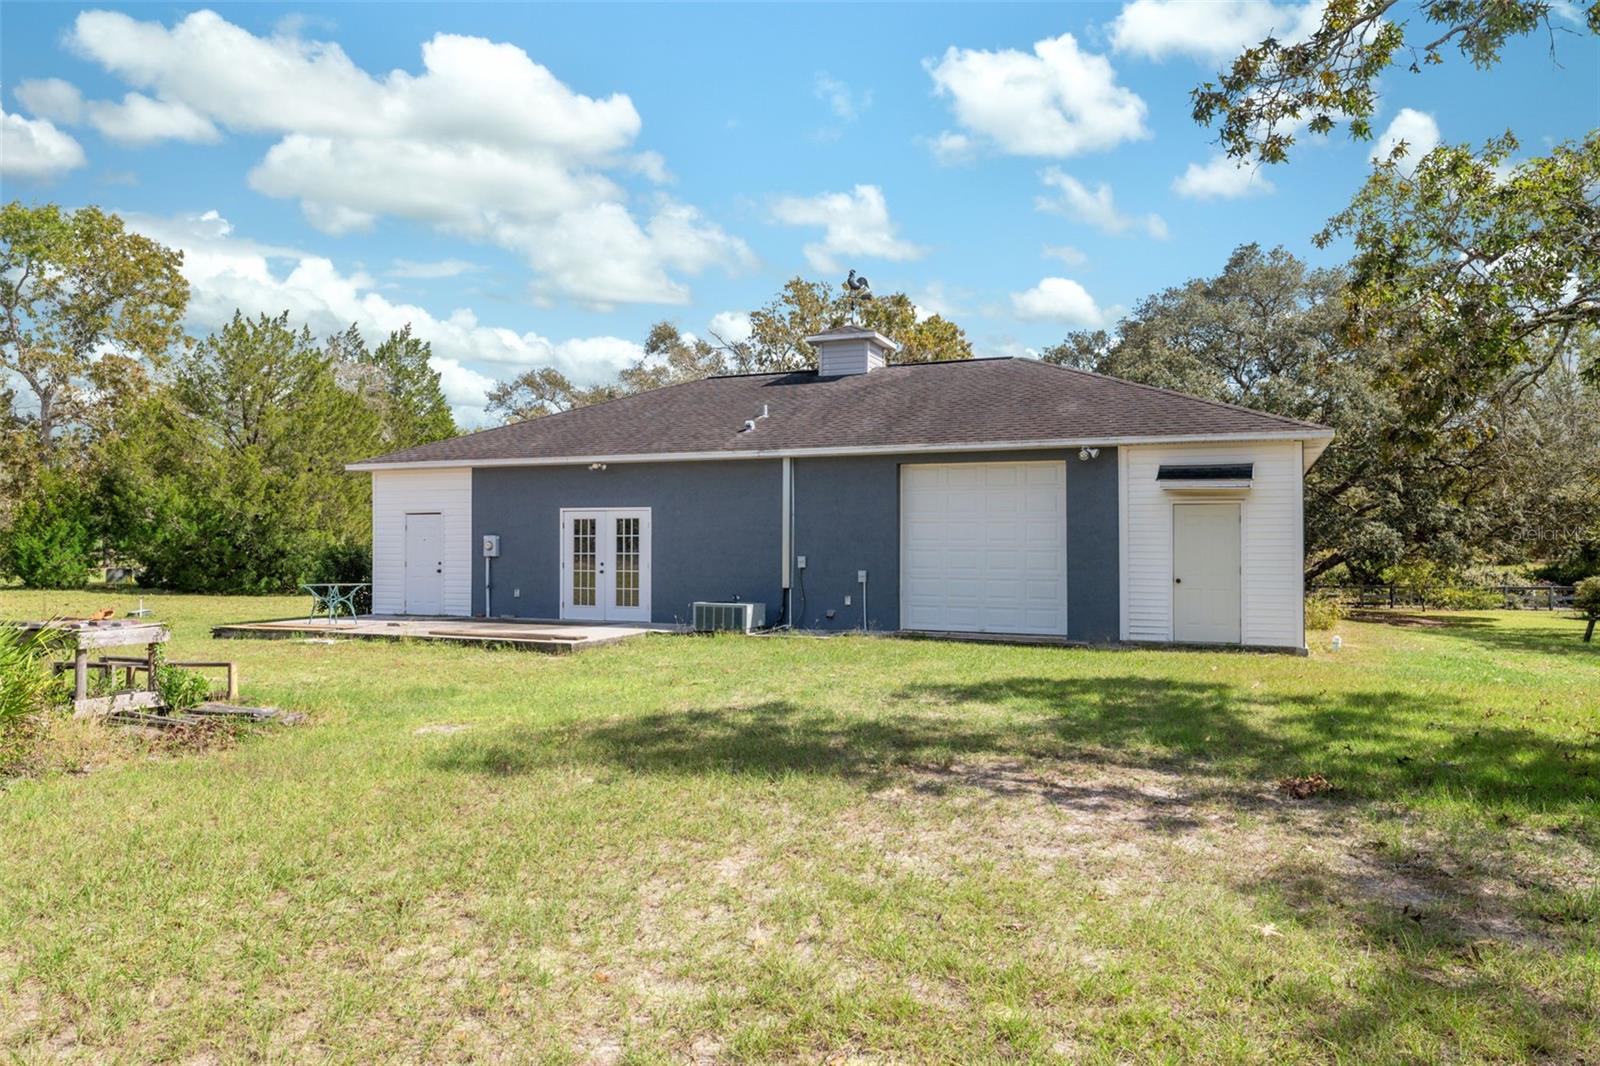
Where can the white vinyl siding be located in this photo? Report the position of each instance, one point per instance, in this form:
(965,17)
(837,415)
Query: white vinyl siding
(1271,552)
(396,493)
(848,357)
(983,547)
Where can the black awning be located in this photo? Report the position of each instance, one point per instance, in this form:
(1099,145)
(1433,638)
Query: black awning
(1212,472)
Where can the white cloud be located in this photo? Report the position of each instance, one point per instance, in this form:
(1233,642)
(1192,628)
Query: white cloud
(950,148)
(51,98)
(138,120)
(226,272)
(484,143)
(1221,178)
(935,299)
(846,105)
(1058,300)
(731,326)
(1212,31)
(34,148)
(652,166)
(1059,101)
(854,223)
(1066,253)
(443,268)
(1417,129)
(1075,200)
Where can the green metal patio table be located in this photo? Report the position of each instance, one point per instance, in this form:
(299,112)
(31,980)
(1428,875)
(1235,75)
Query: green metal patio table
(334,598)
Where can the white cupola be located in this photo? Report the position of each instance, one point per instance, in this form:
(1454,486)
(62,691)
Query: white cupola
(848,349)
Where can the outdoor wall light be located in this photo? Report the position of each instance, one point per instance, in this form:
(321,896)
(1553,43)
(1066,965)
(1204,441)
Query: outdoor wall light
(597,466)
(1085,454)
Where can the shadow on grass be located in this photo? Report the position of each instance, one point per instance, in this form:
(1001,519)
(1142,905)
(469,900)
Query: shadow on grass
(1489,631)
(1372,744)
(1467,937)
(1428,910)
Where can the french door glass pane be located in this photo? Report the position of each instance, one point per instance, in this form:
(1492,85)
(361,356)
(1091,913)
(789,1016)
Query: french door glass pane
(585,541)
(626,571)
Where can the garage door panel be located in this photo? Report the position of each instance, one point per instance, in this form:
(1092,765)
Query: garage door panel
(984,546)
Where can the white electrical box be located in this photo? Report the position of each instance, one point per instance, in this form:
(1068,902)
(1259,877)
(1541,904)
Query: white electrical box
(800,562)
(491,546)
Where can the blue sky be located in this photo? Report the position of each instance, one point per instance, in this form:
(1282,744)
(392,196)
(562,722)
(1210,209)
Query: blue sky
(538,184)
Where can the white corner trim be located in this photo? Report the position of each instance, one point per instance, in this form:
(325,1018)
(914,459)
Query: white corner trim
(830,452)
(1122,544)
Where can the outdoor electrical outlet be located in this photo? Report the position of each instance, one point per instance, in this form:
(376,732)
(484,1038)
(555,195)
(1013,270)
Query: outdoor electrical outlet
(847,601)
(800,562)
(861,577)
(516,593)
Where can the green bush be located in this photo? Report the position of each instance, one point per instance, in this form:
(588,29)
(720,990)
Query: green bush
(344,563)
(1322,612)
(181,689)
(1464,599)
(28,689)
(1586,598)
(51,540)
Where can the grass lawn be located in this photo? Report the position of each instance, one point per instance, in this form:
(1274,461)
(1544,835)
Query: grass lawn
(846,849)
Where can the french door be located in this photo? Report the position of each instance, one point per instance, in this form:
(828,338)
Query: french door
(605,564)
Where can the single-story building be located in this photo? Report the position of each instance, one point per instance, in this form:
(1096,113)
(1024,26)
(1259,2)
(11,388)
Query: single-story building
(1003,496)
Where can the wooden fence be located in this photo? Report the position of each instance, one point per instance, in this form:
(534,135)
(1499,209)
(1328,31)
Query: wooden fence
(1480,597)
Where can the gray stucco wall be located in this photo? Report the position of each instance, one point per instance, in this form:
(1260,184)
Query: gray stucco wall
(1094,590)
(717,534)
(715,531)
(847,519)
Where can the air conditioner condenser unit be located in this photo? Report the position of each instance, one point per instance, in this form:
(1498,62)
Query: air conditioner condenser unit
(736,617)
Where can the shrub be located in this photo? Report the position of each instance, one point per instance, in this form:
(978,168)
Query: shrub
(1323,612)
(1586,598)
(180,689)
(28,689)
(1453,598)
(51,540)
(344,563)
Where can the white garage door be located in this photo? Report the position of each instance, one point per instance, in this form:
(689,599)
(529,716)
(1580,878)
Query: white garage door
(983,547)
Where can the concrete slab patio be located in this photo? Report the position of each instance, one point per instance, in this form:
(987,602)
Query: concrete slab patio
(555,638)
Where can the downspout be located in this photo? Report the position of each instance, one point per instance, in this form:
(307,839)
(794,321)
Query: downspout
(786,524)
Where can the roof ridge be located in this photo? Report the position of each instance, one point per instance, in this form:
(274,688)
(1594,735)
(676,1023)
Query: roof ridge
(1225,405)
(538,418)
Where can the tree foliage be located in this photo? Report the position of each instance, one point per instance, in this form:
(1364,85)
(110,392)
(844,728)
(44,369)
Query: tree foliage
(86,309)
(804,308)
(776,345)
(1268,333)
(398,380)
(1276,87)
(1466,270)
(51,540)
(233,480)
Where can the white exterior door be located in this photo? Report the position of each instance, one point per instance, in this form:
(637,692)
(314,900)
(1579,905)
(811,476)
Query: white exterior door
(424,564)
(605,565)
(983,547)
(1205,572)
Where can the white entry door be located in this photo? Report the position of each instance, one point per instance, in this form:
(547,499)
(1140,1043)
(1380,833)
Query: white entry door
(1205,572)
(605,565)
(983,547)
(424,564)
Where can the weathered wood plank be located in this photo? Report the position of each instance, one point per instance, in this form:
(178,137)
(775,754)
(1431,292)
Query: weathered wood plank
(100,706)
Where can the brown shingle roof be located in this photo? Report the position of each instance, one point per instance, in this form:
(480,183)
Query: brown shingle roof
(959,403)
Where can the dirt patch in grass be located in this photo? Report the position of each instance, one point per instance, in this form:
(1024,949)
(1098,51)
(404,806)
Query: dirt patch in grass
(1145,828)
